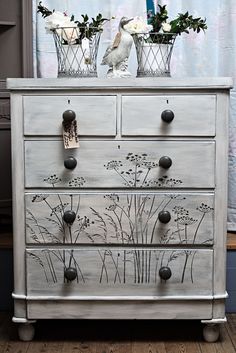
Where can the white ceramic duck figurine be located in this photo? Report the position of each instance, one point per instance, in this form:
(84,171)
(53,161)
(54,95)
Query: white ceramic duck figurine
(117,54)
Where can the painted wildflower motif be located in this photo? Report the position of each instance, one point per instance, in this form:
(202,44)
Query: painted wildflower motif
(136,171)
(122,267)
(124,219)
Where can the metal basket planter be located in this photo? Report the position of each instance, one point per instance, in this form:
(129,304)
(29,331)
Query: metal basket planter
(77,50)
(154,53)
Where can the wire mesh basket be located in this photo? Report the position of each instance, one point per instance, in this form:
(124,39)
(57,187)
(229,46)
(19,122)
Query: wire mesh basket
(77,49)
(154,53)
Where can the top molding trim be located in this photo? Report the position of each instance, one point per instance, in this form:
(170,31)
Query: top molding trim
(121,83)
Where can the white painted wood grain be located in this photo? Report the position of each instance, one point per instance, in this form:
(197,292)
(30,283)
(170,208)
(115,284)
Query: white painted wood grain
(18,203)
(194,115)
(119,310)
(185,83)
(128,218)
(95,115)
(112,271)
(101,163)
(221,201)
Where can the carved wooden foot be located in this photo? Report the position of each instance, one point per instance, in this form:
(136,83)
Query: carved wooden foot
(26,332)
(211,332)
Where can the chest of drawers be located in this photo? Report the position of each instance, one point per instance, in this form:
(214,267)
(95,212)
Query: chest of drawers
(135,227)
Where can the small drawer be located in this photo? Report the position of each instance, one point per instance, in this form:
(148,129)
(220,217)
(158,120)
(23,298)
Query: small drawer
(129,271)
(120,218)
(120,164)
(193,115)
(95,115)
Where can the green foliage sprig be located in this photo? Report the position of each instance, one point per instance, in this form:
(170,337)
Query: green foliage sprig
(183,23)
(88,27)
(45,12)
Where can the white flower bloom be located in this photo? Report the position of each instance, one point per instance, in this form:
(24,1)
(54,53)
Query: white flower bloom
(58,19)
(166,27)
(138,25)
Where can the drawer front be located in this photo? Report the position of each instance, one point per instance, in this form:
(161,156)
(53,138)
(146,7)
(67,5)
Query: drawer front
(118,272)
(95,115)
(120,218)
(123,164)
(194,115)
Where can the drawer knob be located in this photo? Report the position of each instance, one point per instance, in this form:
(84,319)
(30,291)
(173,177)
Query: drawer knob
(69,217)
(68,116)
(165,162)
(70,163)
(70,273)
(165,272)
(164,216)
(167,116)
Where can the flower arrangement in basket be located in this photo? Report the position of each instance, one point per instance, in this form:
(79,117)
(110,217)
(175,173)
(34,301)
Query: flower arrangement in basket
(76,41)
(154,42)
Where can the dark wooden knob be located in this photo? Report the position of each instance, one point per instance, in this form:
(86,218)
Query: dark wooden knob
(70,273)
(69,217)
(165,162)
(164,216)
(68,116)
(70,163)
(165,272)
(167,116)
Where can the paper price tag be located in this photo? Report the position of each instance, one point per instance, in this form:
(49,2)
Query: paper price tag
(70,134)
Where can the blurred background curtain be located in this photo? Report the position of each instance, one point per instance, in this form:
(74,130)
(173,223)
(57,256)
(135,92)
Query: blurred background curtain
(209,54)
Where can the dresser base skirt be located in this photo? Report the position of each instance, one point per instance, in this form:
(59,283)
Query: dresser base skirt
(121,310)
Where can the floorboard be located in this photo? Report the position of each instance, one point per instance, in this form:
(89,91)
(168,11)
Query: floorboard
(81,336)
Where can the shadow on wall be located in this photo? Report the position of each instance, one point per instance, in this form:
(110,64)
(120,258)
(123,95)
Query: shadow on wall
(6,279)
(231,282)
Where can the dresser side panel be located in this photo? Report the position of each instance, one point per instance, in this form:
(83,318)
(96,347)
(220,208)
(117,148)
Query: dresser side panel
(221,198)
(18,199)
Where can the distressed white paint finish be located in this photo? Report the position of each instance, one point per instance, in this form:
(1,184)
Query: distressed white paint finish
(199,161)
(157,84)
(105,164)
(18,202)
(194,115)
(120,218)
(123,271)
(219,276)
(95,115)
(119,310)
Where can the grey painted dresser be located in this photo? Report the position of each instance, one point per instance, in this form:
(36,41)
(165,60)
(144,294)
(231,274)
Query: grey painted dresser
(132,224)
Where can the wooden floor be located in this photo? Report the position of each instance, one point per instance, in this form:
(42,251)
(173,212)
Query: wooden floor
(68,336)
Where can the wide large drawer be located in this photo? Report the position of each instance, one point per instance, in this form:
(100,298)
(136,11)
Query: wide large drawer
(95,115)
(120,218)
(118,272)
(121,164)
(194,115)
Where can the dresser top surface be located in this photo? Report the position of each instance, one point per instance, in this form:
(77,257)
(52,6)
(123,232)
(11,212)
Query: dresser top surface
(121,83)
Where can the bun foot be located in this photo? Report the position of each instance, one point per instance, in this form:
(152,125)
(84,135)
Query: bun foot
(26,332)
(211,332)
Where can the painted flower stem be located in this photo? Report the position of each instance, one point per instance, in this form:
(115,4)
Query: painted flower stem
(198,226)
(184,267)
